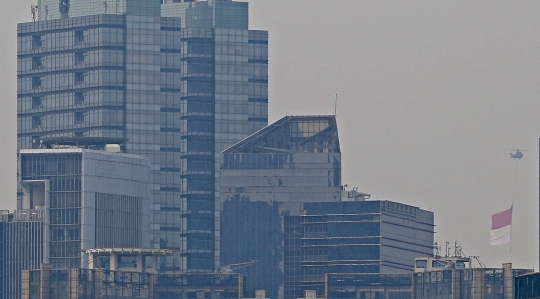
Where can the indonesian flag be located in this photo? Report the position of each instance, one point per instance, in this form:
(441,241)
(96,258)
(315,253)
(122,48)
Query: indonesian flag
(501,224)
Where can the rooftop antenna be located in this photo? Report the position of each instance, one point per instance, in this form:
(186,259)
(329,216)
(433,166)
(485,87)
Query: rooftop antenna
(106,6)
(117,3)
(46,12)
(335,106)
(34,9)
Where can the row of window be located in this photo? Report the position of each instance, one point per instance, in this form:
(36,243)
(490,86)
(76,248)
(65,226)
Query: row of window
(100,118)
(65,39)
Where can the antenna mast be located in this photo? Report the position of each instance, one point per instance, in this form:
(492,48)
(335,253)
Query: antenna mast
(34,9)
(335,106)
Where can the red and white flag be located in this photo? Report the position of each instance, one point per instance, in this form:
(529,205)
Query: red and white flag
(501,225)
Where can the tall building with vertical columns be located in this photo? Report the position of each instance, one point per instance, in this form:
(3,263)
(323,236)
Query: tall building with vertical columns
(179,80)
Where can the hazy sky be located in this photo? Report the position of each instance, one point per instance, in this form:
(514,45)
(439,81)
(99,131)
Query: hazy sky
(430,93)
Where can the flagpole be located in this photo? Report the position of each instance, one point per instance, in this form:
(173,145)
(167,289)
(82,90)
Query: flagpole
(513,201)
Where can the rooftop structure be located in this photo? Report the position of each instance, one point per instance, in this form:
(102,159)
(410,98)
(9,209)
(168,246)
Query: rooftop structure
(141,260)
(292,134)
(424,264)
(98,143)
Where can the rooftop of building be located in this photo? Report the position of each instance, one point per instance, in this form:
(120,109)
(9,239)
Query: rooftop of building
(69,145)
(293,134)
(22,215)
(141,251)
(83,142)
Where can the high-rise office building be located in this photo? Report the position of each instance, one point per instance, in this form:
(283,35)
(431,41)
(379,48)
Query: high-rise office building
(181,81)
(90,198)
(265,180)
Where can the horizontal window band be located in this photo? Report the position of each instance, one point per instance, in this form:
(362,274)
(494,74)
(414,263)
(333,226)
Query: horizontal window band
(198,39)
(36,92)
(200,60)
(258,80)
(47,132)
(259,119)
(170,130)
(170,29)
(168,209)
(176,71)
(256,100)
(170,169)
(170,110)
(258,42)
(170,149)
(169,189)
(76,108)
(74,49)
(70,71)
(174,51)
(117,22)
(168,229)
(170,90)
(199,118)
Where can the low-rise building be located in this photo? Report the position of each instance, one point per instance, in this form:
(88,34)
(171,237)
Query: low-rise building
(443,283)
(21,247)
(120,273)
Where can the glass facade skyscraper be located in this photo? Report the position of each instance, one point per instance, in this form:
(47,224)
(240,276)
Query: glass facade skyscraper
(265,180)
(181,81)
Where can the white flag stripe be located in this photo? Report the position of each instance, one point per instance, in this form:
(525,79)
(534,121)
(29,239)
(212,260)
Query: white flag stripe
(500,236)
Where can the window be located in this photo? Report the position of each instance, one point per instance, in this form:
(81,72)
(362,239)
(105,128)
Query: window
(78,98)
(37,41)
(36,82)
(37,102)
(79,77)
(79,58)
(36,122)
(421,264)
(37,62)
(80,37)
(79,117)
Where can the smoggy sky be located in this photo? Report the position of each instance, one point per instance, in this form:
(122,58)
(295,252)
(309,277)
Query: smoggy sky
(430,93)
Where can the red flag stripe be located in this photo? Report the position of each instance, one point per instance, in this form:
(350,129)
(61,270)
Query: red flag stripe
(501,219)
